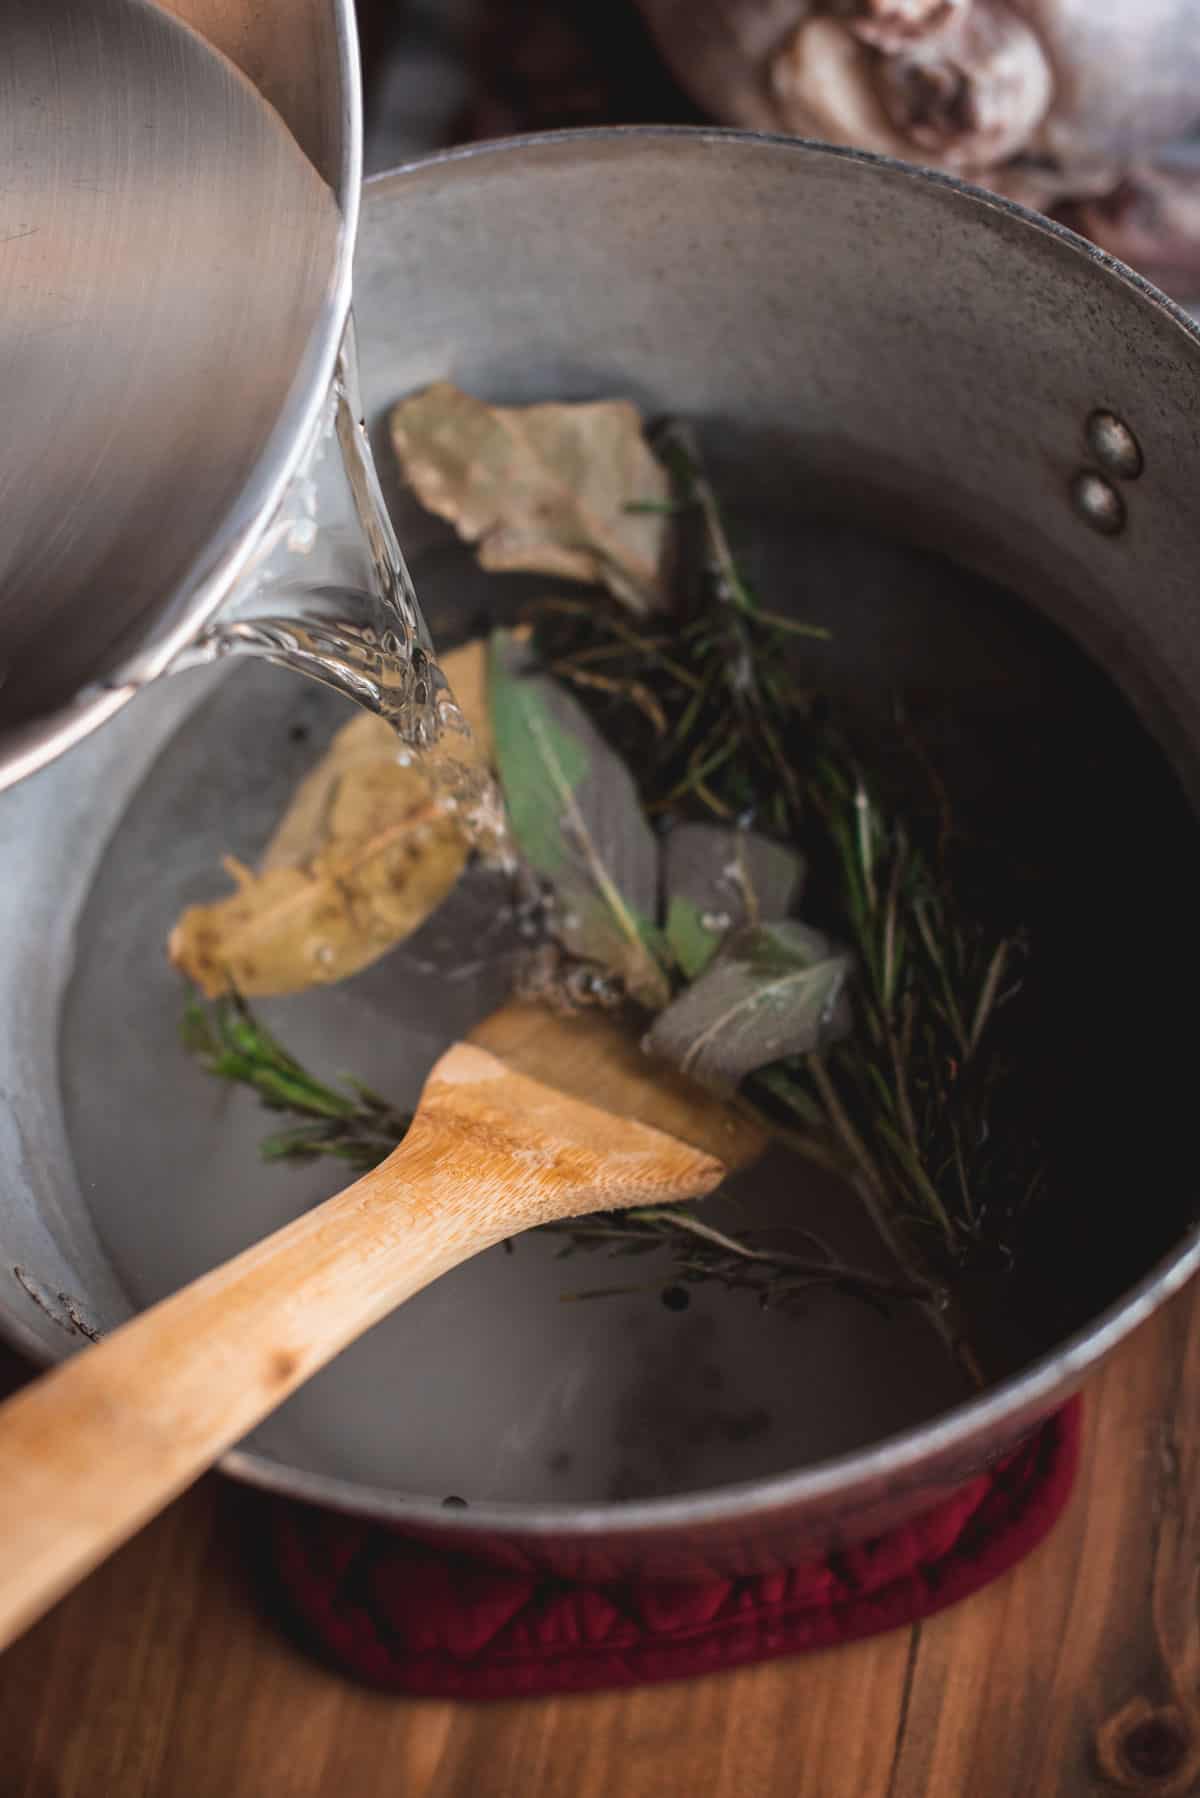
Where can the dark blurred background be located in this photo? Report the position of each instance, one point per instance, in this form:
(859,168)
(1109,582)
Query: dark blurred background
(438,72)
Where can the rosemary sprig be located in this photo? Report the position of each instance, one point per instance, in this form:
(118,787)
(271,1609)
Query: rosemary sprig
(355,1125)
(359,1127)
(919,1097)
(920,1104)
(735,647)
(706,711)
(778,1278)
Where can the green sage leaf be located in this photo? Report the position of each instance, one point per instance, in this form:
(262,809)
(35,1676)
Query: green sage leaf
(575,814)
(774,990)
(717,879)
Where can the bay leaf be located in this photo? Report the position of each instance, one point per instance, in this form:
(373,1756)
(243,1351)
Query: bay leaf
(773,990)
(546,489)
(362,856)
(364,743)
(359,745)
(574,812)
(717,879)
(390,856)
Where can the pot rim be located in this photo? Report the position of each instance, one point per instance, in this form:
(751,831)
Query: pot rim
(1032,1395)
(1022,1398)
(493,148)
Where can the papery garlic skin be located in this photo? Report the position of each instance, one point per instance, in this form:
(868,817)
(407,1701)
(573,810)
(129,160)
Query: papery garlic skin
(1056,103)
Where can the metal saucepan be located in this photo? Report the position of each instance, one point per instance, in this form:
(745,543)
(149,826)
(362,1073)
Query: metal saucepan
(174,282)
(886,365)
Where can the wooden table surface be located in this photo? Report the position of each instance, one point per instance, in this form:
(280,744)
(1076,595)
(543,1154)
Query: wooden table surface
(1078,1673)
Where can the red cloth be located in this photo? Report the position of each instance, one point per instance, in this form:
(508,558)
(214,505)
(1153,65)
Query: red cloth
(400,1615)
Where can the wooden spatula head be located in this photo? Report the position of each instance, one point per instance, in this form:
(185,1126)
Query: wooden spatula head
(595,1057)
(533,1153)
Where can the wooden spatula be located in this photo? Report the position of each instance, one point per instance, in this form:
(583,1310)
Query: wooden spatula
(93,1449)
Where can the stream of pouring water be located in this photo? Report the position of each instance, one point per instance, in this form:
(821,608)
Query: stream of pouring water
(355,624)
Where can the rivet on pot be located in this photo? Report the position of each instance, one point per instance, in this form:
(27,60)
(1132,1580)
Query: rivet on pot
(1097,502)
(1114,445)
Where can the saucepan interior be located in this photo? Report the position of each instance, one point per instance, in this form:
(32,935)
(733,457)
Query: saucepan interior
(894,378)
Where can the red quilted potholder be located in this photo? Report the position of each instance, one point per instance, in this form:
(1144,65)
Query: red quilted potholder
(400,1615)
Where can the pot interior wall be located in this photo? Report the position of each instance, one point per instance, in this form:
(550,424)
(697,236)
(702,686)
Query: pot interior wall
(860,357)
(490,1386)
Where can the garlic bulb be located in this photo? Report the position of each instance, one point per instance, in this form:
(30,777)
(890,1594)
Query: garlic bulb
(1056,103)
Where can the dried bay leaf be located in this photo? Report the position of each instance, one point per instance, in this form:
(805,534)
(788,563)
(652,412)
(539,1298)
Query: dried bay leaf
(365,743)
(359,746)
(717,879)
(574,812)
(362,856)
(390,856)
(774,990)
(546,489)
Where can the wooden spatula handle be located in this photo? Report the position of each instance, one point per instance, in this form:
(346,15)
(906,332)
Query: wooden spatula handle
(93,1449)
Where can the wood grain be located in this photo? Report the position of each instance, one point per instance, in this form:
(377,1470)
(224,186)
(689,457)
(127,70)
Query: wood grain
(591,1057)
(162,1677)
